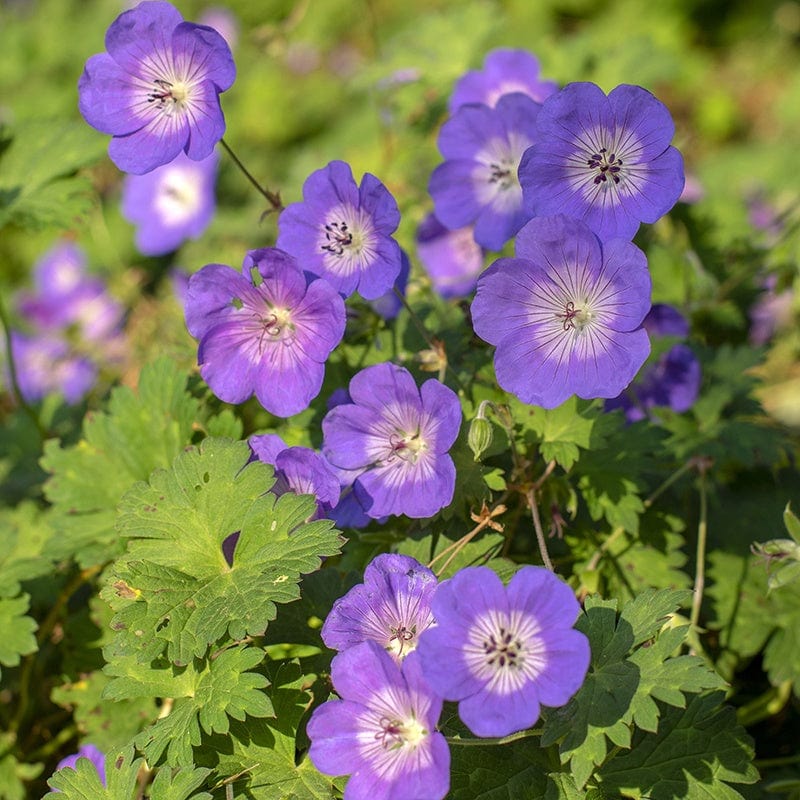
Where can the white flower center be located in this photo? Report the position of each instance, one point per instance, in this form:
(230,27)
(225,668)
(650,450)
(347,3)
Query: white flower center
(348,241)
(178,196)
(502,650)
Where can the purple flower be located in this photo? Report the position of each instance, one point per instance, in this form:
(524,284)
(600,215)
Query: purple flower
(90,752)
(772,311)
(477,184)
(64,296)
(452,259)
(170,204)
(566,313)
(672,381)
(343,232)
(383,731)
(504,71)
(156,90)
(396,438)
(299,470)
(604,159)
(502,652)
(46,364)
(264,332)
(392,607)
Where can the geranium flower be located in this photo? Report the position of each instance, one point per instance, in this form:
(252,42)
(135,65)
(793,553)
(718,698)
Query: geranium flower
(46,364)
(65,295)
(382,733)
(452,258)
(343,232)
(392,607)
(395,438)
(264,331)
(606,160)
(504,71)
(566,313)
(171,203)
(298,469)
(672,380)
(477,184)
(156,90)
(503,652)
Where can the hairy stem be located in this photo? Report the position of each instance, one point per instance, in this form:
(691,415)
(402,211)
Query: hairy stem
(12,371)
(530,496)
(273,198)
(455,740)
(700,567)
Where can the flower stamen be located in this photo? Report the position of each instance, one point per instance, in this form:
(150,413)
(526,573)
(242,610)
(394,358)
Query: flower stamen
(607,166)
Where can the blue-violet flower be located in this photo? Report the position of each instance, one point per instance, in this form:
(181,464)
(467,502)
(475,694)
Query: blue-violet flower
(502,652)
(566,313)
(452,258)
(392,607)
(397,438)
(504,71)
(477,183)
(604,159)
(672,380)
(171,204)
(298,469)
(156,90)
(343,232)
(383,730)
(264,331)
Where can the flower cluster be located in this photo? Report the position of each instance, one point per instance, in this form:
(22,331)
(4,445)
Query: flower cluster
(407,643)
(74,325)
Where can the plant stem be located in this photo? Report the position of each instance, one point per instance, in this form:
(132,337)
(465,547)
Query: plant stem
(435,344)
(12,371)
(692,462)
(530,495)
(502,740)
(273,198)
(483,520)
(702,530)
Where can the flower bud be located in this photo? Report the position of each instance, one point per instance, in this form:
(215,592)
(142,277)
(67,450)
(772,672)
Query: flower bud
(480,436)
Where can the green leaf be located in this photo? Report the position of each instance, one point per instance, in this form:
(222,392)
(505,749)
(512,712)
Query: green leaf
(122,781)
(509,772)
(13,773)
(176,590)
(16,630)
(83,782)
(99,717)
(561,432)
(25,535)
(33,190)
(698,751)
(207,696)
(632,662)
(140,431)
(260,756)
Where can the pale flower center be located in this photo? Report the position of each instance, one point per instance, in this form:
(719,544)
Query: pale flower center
(394,733)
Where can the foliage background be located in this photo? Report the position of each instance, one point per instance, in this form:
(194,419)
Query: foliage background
(368,82)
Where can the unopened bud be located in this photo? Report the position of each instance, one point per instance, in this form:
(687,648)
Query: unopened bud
(480,436)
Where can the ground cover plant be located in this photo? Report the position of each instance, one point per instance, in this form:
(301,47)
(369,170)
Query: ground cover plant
(399,401)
